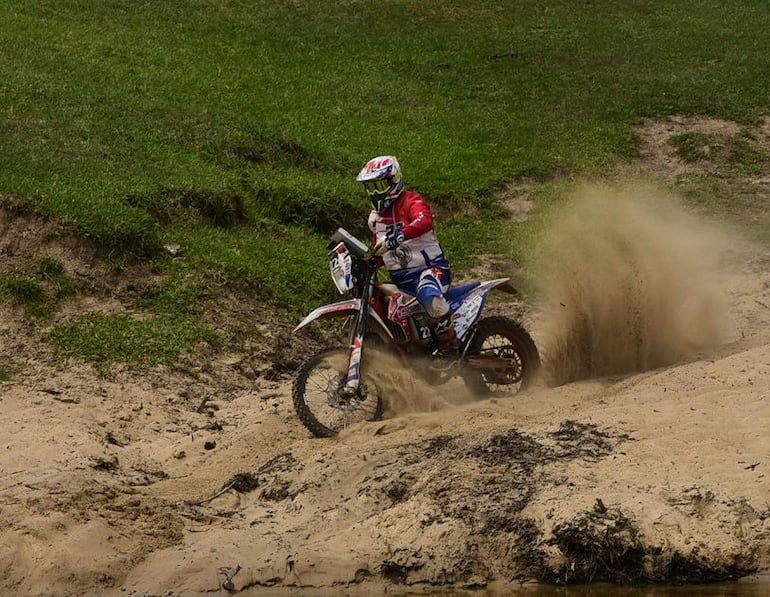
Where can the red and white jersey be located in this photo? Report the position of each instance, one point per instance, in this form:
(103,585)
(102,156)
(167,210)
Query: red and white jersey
(411,214)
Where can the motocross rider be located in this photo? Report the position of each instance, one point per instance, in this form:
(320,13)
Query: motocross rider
(402,223)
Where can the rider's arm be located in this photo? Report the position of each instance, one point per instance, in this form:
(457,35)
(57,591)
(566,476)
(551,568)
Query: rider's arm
(372,222)
(419,217)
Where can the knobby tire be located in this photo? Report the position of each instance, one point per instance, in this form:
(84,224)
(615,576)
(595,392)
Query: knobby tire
(313,394)
(501,336)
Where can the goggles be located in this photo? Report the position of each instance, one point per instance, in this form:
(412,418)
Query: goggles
(378,187)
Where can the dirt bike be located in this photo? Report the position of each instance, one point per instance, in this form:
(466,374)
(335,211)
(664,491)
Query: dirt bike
(332,390)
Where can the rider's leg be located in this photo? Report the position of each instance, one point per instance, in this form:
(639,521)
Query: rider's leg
(447,336)
(430,292)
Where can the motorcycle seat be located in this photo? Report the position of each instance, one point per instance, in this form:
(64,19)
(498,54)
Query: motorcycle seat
(457,291)
(450,295)
(389,289)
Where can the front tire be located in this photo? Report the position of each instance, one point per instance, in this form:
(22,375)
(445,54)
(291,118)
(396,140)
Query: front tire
(501,337)
(317,400)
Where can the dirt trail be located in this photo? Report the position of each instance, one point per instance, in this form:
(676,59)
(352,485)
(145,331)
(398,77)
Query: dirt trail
(664,466)
(667,466)
(652,466)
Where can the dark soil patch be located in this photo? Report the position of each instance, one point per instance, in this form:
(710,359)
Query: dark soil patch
(605,545)
(276,490)
(584,440)
(224,209)
(242,482)
(513,448)
(600,545)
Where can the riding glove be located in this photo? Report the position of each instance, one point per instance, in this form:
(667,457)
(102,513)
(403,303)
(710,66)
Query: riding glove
(393,241)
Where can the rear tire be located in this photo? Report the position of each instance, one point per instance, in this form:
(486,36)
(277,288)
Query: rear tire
(315,394)
(502,337)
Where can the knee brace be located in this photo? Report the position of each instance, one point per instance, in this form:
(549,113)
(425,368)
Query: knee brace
(438,307)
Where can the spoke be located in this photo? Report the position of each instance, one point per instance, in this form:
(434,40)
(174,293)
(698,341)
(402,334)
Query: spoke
(321,387)
(321,394)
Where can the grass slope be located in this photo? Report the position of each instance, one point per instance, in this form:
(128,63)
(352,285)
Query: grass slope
(235,128)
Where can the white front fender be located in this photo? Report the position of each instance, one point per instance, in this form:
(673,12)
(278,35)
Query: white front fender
(342,309)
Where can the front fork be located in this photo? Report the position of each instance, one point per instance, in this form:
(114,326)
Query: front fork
(354,368)
(357,343)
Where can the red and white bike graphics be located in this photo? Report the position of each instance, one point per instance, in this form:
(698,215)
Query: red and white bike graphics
(331,390)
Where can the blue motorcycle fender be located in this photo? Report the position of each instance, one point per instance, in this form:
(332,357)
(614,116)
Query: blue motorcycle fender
(467,309)
(342,309)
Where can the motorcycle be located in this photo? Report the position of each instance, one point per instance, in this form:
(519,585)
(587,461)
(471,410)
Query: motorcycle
(333,391)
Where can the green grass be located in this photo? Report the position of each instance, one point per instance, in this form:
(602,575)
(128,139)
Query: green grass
(28,293)
(100,337)
(235,129)
(41,291)
(694,146)
(740,155)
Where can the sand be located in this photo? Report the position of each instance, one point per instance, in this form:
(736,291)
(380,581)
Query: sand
(640,455)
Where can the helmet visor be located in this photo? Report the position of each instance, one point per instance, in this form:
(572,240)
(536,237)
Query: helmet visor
(378,187)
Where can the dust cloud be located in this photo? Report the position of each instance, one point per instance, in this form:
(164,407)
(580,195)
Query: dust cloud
(404,388)
(628,281)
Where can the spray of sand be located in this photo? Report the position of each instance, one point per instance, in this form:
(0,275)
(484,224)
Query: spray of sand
(405,390)
(629,282)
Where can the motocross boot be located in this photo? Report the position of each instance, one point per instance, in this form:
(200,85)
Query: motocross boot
(448,344)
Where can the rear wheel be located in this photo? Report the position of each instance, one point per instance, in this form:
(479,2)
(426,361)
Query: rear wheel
(502,357)
(317,398)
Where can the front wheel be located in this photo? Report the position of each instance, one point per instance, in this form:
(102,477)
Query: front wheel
(501,357)
(320,405)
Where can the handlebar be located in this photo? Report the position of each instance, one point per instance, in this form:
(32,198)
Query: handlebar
(379,249)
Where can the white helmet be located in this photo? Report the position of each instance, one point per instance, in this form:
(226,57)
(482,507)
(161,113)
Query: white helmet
(382,181)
